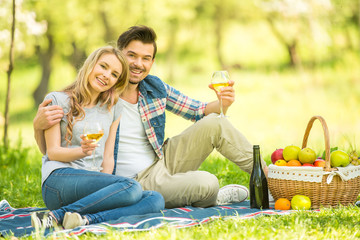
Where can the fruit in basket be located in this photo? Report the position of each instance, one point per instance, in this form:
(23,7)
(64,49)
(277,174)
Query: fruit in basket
(277,155)
(291,152)
(282,204)
(293,163)
(331,150)
(354,158)
(319,162)
(300,202)
(307,165)
(339,158)
(307,155)
(280,162)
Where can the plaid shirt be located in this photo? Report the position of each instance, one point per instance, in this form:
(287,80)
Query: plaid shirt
(154,97)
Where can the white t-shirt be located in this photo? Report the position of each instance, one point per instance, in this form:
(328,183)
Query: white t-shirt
(135,153)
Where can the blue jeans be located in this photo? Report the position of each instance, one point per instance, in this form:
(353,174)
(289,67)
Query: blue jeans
(100,196)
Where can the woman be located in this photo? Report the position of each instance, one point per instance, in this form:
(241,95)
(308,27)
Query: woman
(75,195)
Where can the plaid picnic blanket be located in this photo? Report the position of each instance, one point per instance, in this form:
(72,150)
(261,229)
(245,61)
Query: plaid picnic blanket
(17,222)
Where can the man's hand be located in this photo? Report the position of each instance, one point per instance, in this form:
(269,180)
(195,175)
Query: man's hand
(47,116)
(227,94)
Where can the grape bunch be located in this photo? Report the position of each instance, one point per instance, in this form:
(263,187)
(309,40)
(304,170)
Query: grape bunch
(354,158)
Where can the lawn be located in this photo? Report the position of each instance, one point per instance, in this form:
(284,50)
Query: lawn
(20,174)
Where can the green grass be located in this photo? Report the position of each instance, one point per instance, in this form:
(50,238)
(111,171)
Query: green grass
(20,169)
(20,173)
(339,223)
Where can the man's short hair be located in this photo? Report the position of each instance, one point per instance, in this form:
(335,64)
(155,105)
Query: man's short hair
(141,33)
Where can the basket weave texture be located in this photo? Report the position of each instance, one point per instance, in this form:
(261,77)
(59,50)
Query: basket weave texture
(322,192)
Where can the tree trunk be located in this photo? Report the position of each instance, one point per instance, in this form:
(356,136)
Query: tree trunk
(219,22)
(294,60)
(9,71)
(78,56)
(108,31)
(170,53)
(45,60)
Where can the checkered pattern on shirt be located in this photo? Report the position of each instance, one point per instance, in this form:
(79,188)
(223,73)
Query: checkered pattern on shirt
(152,112)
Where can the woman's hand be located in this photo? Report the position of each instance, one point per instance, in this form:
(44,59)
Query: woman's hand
(87,145)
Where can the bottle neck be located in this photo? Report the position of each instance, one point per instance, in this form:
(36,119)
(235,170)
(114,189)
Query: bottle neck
(256,157)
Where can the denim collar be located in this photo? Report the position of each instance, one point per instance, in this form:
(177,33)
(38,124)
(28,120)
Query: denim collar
(152,87)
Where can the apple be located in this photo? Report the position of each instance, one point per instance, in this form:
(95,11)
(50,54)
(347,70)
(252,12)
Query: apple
(307,155)
(307,165)
(277,155)
(319,162)
(291,153)
(339,158)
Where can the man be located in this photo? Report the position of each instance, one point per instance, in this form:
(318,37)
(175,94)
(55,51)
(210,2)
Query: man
(169,167)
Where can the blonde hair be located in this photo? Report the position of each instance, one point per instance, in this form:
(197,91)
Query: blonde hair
(79,92)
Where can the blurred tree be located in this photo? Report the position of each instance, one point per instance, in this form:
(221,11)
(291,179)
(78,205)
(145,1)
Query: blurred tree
(78,27)
(27,30)
(219,17)
(71,30)
(218,14)
(10,69)
(176,15)
(346,19)
(45,58)
(15,37)
(171,50)
(291,21)
(214,19)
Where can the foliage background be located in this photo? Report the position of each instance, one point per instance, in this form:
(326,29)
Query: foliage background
(290,59)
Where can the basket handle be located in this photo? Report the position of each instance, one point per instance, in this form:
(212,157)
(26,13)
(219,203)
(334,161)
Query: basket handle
(326,136)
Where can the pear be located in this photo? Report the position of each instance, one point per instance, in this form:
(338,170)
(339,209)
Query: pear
(339,158)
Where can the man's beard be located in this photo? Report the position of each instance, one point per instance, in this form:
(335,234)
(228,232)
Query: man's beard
(134,82)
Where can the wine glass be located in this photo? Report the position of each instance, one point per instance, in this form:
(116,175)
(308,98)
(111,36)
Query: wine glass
(220,79)
(94,131)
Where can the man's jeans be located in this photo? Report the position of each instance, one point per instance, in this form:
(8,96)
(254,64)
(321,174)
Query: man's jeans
(98,196)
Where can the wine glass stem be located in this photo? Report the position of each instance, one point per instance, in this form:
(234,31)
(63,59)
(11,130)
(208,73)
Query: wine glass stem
(94,165)
(221,108)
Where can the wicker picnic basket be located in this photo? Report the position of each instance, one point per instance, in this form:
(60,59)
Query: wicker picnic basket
(326,187)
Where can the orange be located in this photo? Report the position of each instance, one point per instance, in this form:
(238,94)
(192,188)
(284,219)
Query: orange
(282,204)
(293,163)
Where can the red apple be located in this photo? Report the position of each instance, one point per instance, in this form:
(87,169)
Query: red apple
(277,155)
(307,165)
(319,162)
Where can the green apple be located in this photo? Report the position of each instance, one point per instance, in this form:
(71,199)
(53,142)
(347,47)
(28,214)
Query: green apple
(291,153)
(307,155)
(339,158)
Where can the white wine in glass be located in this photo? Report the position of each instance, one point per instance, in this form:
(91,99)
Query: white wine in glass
(94,131)
(220,79)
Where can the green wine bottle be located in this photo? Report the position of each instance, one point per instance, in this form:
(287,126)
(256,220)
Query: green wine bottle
(259,195)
